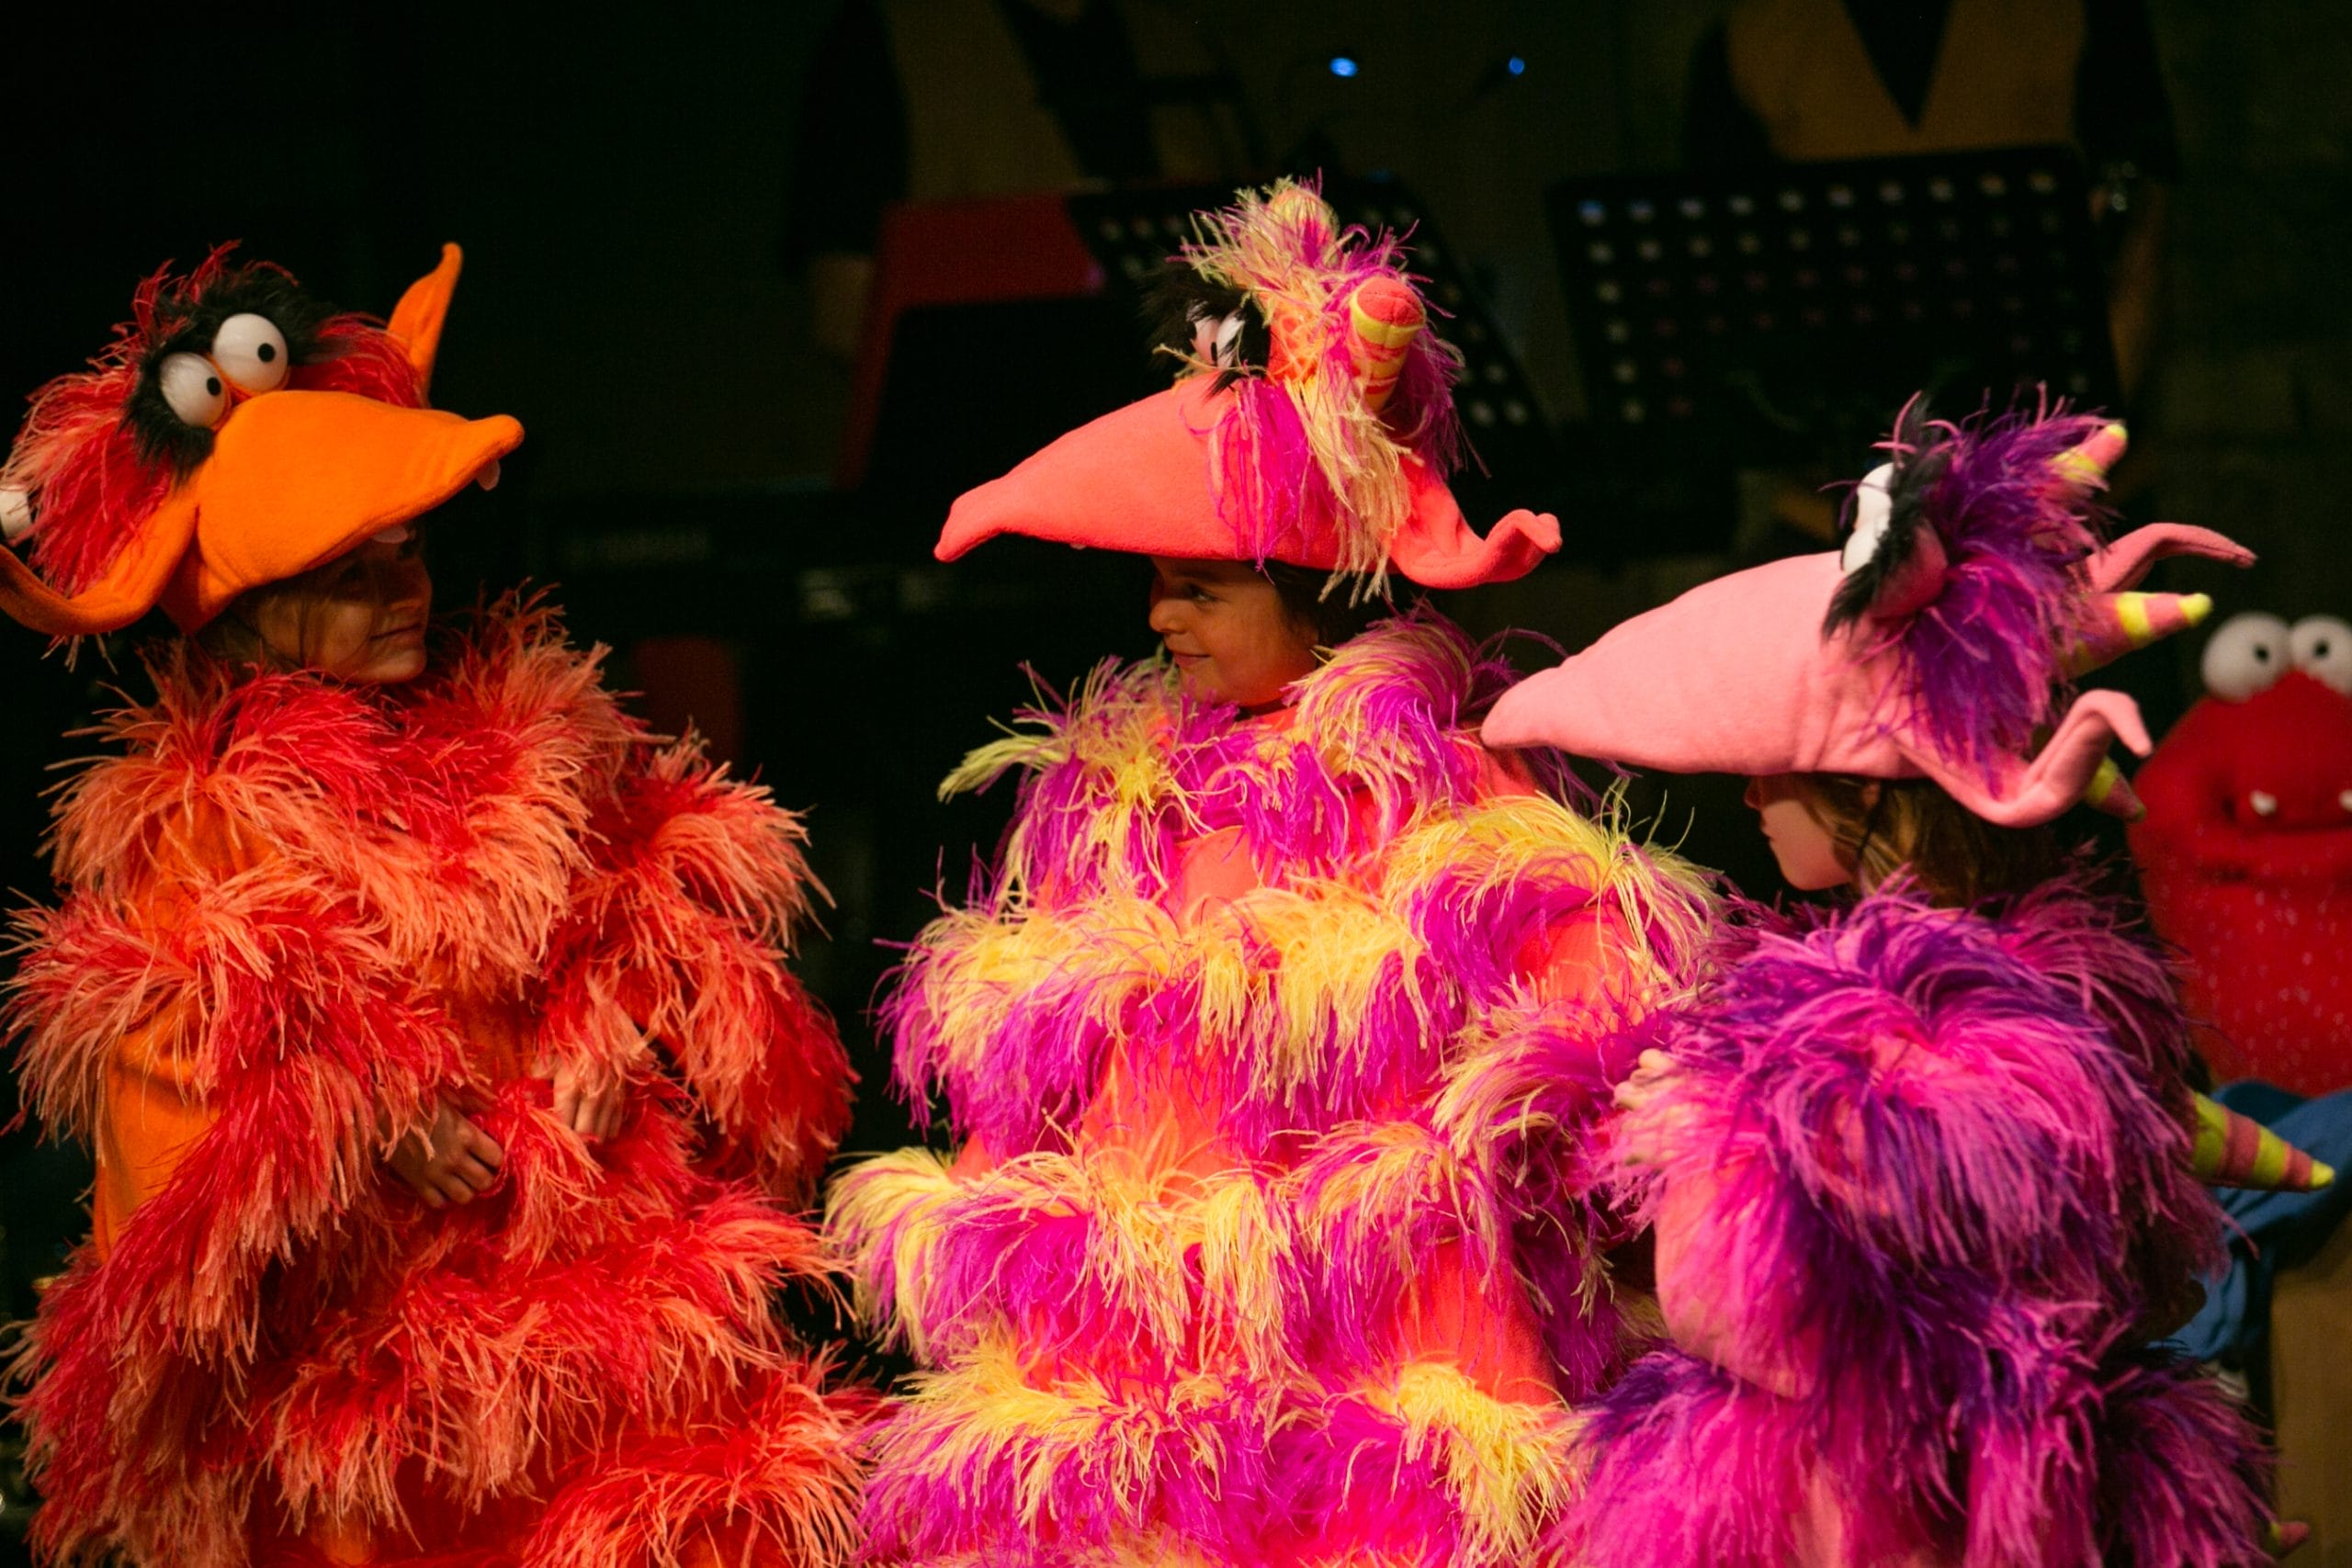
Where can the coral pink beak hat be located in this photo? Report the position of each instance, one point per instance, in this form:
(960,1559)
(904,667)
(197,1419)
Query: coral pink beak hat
(1312,425)
(1938,644)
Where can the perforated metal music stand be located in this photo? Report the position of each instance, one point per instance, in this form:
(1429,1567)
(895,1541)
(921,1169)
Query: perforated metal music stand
(1786,310)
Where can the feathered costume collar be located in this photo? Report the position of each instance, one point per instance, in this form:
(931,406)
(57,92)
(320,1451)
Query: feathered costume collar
(1368,745)
(455,807)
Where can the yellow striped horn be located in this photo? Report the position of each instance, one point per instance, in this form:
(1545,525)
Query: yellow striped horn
(2110,792)
(2083,468)
(1384,318)
(2115,624)
(2237,1151)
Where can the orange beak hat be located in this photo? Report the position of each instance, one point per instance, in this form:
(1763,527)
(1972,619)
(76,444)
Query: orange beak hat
(1312,422)
(237,433)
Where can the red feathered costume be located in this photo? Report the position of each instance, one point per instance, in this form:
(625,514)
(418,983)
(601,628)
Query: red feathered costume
(301,913)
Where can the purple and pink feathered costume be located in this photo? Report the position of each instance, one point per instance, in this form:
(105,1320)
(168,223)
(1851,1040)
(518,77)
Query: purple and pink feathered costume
(1274,1043)
(1913,1177)
(1920,1176)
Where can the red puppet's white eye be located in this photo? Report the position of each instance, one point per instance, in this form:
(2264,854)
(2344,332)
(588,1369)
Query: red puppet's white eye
(193,390)
(250,352)
(2245,655)
(2323,650)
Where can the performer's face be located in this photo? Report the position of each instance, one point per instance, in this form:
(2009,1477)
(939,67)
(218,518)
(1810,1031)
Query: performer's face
(1808,853)
(359,617)
(1224,626)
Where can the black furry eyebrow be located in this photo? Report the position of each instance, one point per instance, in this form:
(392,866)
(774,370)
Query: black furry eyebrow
(189,326)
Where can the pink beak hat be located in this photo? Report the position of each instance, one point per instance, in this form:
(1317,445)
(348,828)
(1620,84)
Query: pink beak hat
(1312,422)
(1938,644)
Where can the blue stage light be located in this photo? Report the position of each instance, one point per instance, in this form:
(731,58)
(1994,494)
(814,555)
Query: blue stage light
(1344,65)
(1515,65)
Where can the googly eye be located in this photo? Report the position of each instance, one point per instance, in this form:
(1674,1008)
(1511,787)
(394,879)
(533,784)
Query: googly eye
(250,352)
(2322,646)
(192,389)
(1874,510)
(1214,338)
(2244,655)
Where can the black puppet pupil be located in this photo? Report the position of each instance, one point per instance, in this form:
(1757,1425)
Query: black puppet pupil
(265,353)
(212,384)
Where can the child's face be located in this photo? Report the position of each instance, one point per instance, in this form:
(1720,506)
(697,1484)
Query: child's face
(1808,854)
(361,617)
(1225,627)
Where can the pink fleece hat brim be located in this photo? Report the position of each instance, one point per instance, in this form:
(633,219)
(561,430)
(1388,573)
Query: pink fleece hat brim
(1735,677)
(1137,480)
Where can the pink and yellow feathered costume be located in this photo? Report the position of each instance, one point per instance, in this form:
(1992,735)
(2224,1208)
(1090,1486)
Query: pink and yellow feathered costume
(301,913)
(1273,1041)
(1921,1177)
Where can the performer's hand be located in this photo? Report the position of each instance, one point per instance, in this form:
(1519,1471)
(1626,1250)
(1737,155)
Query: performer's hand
(448,1161)
(588,1103)
(1644,1117)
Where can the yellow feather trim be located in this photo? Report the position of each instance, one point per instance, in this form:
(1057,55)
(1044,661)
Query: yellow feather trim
(1510,1467)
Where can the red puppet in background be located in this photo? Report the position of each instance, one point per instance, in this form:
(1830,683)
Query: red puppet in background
(2246,851)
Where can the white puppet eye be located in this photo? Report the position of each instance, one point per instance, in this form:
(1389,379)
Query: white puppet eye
(1214,339)
(2244,655)
(192,386)
(1874,510)
(250,352)
(2322,646)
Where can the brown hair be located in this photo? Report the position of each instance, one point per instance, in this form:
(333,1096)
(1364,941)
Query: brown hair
(1334,617)
(1954,855)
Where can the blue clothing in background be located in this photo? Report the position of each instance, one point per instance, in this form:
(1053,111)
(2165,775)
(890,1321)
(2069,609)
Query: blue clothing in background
(2273,1230)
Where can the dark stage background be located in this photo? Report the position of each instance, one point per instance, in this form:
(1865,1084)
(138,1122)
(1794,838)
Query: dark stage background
(644,221)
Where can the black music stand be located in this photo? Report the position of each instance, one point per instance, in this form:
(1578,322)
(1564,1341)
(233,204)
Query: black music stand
(1777,313)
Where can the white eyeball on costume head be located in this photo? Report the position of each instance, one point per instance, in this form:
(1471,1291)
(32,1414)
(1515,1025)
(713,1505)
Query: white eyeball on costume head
(2245,655)
(1216,339)
(193,388)
(1874,510)
(250,352)
(2322,646)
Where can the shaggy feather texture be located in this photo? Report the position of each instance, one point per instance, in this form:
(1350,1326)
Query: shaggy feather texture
(312,912)
(1297,452)
(1938,1172)
(1165,1335)
(1983,665)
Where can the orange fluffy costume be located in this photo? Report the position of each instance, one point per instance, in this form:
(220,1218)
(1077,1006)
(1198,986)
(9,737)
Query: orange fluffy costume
(299,915)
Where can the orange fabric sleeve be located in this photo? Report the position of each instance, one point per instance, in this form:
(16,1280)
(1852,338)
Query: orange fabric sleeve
(153,1113)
